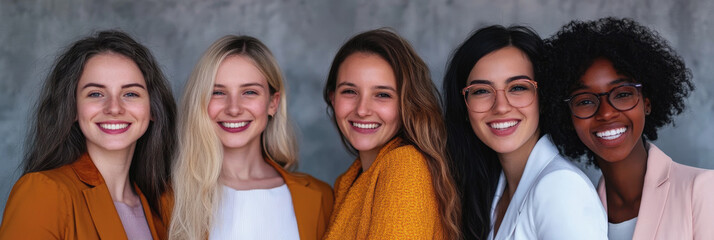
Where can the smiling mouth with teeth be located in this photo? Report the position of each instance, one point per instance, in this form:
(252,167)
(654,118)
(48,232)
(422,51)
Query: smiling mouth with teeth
(114,126)
(366,125)
(234,124)
(503,125)
(611,134)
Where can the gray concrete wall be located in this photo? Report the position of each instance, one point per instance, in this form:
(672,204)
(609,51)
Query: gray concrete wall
(304,36)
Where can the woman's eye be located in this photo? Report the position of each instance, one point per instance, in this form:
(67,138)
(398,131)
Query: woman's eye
(348,91)
(131,94)
(584,102)
(94,95)
(518,88)
(480,91)
(218,93)
(250,92)
(384,95)
(623,95)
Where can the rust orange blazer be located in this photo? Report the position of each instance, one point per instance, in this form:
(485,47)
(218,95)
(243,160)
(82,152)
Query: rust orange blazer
(312,201)
(69,202)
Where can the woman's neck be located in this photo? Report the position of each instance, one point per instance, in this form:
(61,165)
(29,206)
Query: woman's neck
(368,157)
(245,168)
(114,168)
(624,181)
(514,163)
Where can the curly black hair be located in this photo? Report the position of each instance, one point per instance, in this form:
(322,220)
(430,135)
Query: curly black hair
(634,50)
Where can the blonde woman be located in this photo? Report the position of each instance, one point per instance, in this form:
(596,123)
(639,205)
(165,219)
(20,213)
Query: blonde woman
(236,147)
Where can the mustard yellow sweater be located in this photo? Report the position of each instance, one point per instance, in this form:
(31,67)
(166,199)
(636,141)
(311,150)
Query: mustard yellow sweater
(393,199)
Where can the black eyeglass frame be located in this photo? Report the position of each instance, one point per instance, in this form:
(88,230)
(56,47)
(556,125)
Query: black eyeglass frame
(637,86)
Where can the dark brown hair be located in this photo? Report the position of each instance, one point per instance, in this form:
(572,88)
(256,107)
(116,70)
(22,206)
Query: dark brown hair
(420,109)
(55,138)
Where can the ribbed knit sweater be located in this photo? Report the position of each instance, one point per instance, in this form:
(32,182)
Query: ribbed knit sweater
(393,199)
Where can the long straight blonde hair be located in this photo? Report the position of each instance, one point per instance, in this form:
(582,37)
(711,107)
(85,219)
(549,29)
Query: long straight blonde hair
(200,156)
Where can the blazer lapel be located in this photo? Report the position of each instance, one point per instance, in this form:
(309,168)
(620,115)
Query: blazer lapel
(148,215)
(306,202)
(508,223)
(99,201)
(542,154)
(654,194)
(602,193)
(104,215)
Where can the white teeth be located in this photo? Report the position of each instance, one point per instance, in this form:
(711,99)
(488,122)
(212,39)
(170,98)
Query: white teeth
(366,125)
(611,134)
(503,125)
(234,124)
(113,126)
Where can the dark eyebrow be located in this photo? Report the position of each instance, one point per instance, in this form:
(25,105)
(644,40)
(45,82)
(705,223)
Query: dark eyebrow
(93,85)
(509,80)
(580,86)
(345,83)
(102,86)
(134,85)
(519,77)
(619,81)
(377,87)
(480,81)
(386,88)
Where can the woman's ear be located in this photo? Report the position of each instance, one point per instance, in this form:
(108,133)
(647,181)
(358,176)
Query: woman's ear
(648,106)
(332,98)
(274,104)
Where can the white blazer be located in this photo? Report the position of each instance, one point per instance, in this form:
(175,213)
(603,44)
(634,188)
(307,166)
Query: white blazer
(554,200)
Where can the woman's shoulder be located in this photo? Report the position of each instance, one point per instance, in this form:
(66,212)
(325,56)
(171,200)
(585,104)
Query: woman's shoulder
(561,176)
(681,175)
(562,168)
(404,156)
(62,177)
(699,180)
(311,181)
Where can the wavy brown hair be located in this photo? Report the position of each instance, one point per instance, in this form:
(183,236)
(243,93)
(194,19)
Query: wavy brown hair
(420,109)
(55,139)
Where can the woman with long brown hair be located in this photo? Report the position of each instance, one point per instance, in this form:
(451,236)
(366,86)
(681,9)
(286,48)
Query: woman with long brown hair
(97,164)
(380,95)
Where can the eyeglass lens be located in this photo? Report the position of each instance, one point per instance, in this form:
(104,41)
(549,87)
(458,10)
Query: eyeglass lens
(481,97)
(622,98)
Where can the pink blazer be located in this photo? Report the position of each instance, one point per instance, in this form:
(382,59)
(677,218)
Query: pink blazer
(677,200)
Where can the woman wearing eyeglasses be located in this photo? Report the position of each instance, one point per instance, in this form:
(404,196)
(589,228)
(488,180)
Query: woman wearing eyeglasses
(514,184)
(612,84)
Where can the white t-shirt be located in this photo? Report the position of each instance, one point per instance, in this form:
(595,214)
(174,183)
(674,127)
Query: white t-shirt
(255,214)
(623,230)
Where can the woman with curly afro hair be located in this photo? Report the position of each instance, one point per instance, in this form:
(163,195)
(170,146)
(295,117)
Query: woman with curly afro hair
(611,84)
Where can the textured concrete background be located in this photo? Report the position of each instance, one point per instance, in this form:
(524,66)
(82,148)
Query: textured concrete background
(305,35)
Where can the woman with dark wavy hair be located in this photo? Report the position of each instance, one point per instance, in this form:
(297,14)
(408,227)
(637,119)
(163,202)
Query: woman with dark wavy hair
(612,83)
(513,182)
(380,96)
(97,161)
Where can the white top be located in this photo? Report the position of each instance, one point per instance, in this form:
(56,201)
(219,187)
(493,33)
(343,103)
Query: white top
(255,214)
(621,231)
(554,200)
